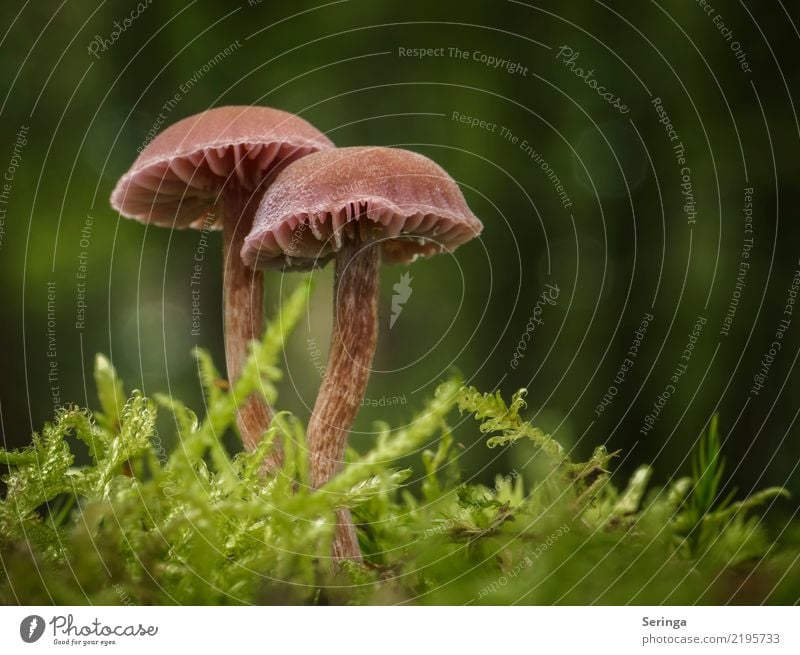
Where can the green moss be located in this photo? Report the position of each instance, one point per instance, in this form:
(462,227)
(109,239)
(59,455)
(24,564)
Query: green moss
(199,526)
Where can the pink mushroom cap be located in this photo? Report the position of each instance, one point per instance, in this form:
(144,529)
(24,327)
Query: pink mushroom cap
(403,199)
(177,178)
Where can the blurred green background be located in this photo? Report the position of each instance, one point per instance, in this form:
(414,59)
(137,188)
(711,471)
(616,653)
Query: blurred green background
(84,84)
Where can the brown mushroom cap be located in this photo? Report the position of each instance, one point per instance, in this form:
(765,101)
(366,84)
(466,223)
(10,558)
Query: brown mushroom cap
(177,178)
(399,197)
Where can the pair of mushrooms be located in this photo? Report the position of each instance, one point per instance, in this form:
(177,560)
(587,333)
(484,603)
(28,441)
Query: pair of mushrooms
(286,198)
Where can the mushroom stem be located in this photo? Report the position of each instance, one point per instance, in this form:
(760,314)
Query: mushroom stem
(243,298)
(355,334)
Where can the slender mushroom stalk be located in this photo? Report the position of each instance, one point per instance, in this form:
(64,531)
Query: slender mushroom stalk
(227,153)
(243,300)
(355,335)
(361,206)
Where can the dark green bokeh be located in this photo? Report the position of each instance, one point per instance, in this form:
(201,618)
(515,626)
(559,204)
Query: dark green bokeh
(622,246)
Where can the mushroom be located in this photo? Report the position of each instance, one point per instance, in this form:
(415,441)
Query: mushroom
(355,205)
(209,171)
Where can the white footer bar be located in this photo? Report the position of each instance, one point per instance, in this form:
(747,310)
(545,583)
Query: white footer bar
(400,630)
